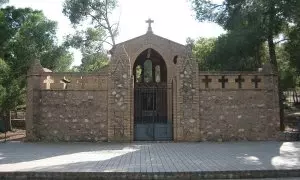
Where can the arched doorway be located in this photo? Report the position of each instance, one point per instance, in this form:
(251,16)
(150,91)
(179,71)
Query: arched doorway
(151,121)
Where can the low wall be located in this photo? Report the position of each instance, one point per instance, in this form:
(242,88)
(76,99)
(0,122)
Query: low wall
(72,116)
(238,115)
(226,106)
(205,106)
(67,107)
(244,107)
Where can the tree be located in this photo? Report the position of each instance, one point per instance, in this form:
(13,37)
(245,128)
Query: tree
(90,41)
(202,49)
(288,73)
(25,35)
(2,2)
(292,46)
(259,19)
(90,44)
(97,12)
(228,52)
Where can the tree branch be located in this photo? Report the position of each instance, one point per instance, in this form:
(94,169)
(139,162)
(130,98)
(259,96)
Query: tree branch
(285,39)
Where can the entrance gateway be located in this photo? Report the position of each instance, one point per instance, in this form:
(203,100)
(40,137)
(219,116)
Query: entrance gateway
(152,90)
(151,120)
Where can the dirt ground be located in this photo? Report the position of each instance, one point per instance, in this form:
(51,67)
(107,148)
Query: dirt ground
(14,135)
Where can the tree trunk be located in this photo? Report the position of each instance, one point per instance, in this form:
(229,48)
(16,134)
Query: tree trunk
(109,27)
(6,120)
(273,60)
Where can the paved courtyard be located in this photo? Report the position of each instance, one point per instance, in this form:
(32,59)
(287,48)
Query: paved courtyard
(148,157)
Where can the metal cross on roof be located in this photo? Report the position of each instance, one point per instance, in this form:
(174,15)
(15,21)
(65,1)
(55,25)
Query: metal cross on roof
(149,21)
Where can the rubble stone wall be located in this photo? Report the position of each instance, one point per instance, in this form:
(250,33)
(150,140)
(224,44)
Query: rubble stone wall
(71,116)
(247,110)
(230,115)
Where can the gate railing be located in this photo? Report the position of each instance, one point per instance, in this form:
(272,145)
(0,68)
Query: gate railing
(152,104)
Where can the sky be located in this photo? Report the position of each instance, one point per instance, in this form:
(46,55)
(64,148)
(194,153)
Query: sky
(173,19)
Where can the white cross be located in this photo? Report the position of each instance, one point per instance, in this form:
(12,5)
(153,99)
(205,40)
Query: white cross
(48,81)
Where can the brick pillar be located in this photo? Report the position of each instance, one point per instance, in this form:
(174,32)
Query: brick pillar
(32,91)
(187,120)
(119,99)
(270,85)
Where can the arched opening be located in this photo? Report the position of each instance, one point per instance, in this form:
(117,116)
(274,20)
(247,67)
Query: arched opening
(151,121)
(146,63)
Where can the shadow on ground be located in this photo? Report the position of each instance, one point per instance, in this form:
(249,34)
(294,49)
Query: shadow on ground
(149,157)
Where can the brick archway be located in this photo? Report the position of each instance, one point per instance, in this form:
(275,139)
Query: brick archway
(151,120)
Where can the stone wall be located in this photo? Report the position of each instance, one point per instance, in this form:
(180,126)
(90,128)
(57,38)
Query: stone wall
(249,111)
(237,115)
(71,116)
(66,106)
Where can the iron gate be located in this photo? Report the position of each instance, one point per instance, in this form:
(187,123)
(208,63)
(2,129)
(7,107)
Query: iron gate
(151,121)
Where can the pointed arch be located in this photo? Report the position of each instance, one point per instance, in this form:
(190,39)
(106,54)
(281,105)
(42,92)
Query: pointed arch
(148,60)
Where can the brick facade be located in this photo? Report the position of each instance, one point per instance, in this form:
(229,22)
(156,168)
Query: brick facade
(204,106)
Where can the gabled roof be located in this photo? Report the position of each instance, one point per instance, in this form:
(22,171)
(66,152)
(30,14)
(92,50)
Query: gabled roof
(147,35)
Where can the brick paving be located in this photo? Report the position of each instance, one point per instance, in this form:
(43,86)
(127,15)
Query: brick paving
(149,157)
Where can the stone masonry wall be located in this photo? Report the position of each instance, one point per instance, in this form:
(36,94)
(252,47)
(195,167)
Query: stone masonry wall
(187,120)
(237,115)
(238,111)
(71,116)
(66,106)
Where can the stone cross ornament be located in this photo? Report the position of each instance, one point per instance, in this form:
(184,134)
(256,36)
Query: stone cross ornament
(48,81)
(149,21)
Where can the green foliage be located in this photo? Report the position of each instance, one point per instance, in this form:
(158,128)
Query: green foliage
(92,63)
(25,35)
(293,47)
(2,2)
(242,48)
(202,50)
(4,69)
(90,43)
(97,12)
(256,21)
(229,52)
(288,75)
(250,23)
(238,14)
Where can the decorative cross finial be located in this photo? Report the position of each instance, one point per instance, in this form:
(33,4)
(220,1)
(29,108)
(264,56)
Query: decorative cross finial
(240,80)
(256,80)
(223,80)
(149,21)
(206,81)
(48,81)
